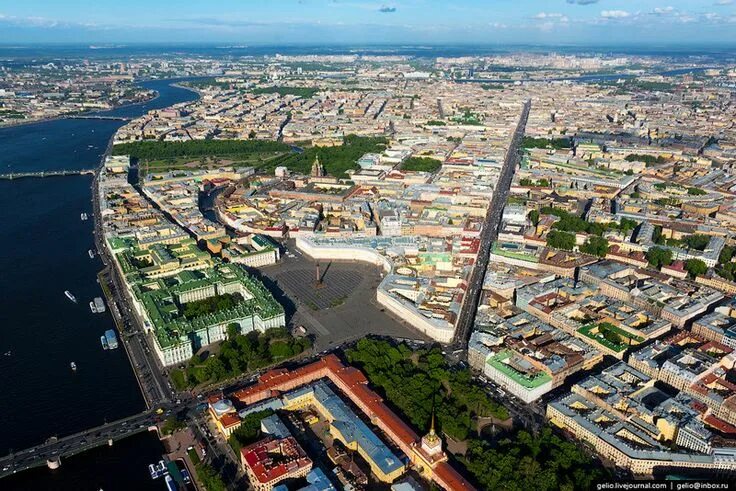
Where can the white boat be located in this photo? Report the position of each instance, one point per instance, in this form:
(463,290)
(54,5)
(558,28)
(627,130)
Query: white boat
(154,471)
(112,339)
(70,296)
(170,484)
(91,254)
(73,365)
(157,470)
(103,341)
(83,216)
(99,305)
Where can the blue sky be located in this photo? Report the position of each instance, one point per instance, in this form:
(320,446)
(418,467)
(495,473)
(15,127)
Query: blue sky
(587,22)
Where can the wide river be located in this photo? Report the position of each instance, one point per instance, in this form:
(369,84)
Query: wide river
(45,246)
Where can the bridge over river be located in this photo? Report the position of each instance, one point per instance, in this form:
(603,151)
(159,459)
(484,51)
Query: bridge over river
(103,117)
(46,173)
(54,448)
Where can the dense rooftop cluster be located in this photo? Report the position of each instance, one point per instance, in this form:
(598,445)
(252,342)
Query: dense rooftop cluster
(165,272)
(616,241)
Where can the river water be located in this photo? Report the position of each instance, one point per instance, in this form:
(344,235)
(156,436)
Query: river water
(45,246)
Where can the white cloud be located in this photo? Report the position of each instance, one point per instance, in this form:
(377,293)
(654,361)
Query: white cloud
(548,15)
(31,21)
(721,3)
(547,21)
(615,14)
(663,10)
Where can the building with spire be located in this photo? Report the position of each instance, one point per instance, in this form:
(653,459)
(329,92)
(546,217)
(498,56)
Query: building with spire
(425,454)
(428,454)
(318,170)
(431,443)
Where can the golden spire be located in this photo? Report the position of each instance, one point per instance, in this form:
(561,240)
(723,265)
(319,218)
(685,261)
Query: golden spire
(431,442)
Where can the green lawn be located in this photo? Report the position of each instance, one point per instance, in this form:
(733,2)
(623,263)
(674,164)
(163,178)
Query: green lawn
(599,338)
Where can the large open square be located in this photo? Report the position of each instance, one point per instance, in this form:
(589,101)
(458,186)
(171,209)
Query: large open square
(342,308)
(321,288)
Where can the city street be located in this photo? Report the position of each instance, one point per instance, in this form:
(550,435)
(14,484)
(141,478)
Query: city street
(489,234)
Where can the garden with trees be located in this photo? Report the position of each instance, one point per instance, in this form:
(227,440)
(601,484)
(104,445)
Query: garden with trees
(557,239)
(569,222)
(421,164)
(415,381)
(234,149)
(198,308)
(695,267)
(239,354)
(336,160)
(209,477)
(264,155)
(696,242)
(305,92)
(595,246)
(249,430)
(659,256)
(534,217)
(532,462)
(725,268)
(411,380)
(649,160)
(551,143)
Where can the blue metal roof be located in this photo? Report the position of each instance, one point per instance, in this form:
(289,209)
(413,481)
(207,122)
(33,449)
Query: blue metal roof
(318,481)
(353,429)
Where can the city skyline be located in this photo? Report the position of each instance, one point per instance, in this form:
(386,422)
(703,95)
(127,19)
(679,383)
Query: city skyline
(584,22)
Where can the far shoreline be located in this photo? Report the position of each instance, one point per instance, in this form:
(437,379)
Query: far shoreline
(175,82)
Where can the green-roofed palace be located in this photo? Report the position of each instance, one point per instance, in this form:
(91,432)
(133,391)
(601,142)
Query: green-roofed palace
(167,280)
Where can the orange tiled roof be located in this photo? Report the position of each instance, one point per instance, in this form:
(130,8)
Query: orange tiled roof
(229,419)
(449,478)
(371,403)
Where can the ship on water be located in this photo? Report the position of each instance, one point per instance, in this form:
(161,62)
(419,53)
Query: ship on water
(97,306)
(157,470)
(112,339)
(73,366)
(170,484)
(83,216)
(103,342)
(91,254)
(70,296)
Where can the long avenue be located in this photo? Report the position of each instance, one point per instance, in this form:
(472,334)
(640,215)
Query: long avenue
(489,234)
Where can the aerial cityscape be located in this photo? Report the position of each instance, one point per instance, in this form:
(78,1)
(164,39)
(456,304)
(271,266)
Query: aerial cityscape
(324,245)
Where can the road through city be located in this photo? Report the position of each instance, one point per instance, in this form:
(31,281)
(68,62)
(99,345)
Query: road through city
(489,234)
